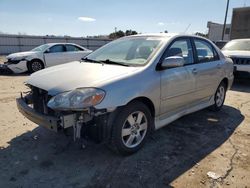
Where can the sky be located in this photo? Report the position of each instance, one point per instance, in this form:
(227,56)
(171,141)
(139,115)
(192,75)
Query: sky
(100,17)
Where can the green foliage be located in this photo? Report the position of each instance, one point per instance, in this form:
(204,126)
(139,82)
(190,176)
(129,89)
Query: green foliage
(120,33)
(201,34)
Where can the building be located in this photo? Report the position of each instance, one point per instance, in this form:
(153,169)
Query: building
(240,23)
(215,31)
(239,27)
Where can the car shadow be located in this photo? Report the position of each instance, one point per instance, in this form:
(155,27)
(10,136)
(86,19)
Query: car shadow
(241,85)
(41,158)
(14,74)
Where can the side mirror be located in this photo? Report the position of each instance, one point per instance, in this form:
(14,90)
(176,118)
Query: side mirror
(47,51)
(172,62)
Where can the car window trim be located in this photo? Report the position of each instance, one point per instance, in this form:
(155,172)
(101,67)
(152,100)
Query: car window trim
(78,47)
(215,53)
(64,48)
(170,44)
(75,46)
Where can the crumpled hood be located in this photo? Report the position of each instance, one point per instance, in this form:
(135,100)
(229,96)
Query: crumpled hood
(236,53)
(20,54)
(74,75)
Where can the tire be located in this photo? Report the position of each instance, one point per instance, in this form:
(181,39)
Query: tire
(35,65)
(130,128)
(219,97)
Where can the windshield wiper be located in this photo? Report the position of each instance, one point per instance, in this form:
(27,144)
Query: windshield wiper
(90,60)
(107,61)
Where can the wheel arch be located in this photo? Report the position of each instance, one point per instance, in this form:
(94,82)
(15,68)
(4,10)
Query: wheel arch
(34,59)
(225,80)
(147,102)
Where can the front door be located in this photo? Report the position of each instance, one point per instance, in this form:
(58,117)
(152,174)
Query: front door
(55,55)
(178,84)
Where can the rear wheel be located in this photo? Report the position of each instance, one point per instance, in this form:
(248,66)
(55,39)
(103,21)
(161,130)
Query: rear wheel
(35,65)
(219,96)
(131,128)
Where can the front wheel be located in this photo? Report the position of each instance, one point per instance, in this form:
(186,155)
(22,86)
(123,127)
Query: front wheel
(131,128)
(219,96)
(35,65)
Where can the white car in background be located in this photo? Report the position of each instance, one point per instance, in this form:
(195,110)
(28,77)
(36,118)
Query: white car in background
(43,56)
(239,51)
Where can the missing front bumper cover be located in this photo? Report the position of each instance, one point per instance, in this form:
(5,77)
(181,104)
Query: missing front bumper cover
(48,122)
(4,69)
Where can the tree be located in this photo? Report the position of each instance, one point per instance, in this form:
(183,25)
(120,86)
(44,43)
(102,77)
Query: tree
(130,32)
(201,34)
(120,33)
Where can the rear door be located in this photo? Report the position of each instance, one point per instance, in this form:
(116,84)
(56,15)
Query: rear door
(75,53)
(208,70)
(178,84)
(55,55)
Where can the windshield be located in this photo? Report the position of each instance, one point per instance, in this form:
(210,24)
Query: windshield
(41,48)
(241,45)
(129,51)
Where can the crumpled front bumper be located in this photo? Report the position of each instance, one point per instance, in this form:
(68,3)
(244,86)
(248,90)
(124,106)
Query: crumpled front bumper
(48,122)
(4,69)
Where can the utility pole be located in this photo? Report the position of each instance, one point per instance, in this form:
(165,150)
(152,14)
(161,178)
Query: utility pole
(225,21)
(115,32)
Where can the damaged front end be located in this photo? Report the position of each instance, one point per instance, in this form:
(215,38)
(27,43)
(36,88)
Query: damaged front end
(85,123)
(4,69)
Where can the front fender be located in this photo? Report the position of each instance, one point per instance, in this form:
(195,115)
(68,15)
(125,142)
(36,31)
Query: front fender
(119,93)
(19,67)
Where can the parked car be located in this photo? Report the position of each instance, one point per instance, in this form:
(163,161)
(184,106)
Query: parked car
(239,51)
(44,56)
(128,88)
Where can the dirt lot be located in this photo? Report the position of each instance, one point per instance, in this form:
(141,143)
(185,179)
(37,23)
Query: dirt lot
(179,155)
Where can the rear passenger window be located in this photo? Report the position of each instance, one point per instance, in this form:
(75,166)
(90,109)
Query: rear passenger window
(72,48)
(56,49)
(205,52)
(182,48)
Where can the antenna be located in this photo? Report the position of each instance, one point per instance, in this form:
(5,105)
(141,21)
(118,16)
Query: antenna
(187,28)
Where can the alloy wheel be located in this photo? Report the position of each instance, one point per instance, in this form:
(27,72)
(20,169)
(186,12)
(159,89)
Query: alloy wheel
(134,129)
(220,95)
(36,66)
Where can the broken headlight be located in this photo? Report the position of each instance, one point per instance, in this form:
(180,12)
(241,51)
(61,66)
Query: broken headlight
(77,100)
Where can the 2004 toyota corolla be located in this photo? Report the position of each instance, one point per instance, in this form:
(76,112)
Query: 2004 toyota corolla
(129,87)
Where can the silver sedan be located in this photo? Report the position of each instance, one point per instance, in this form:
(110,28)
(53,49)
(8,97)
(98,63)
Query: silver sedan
(124,90)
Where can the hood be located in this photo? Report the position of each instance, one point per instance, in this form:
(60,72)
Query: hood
(236,53)
(20,54)
(74,75)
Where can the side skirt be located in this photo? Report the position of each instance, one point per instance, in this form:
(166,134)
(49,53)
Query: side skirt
(160,122)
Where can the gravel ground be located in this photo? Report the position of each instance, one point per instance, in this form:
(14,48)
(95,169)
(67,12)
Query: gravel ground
(179,155)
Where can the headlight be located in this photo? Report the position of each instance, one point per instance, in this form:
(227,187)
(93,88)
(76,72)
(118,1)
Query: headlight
(16,60)
(77,99)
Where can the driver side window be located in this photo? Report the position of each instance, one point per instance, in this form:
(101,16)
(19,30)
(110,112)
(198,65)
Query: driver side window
(182,48)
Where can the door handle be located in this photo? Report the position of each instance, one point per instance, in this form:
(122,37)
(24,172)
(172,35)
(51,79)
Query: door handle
(194,71)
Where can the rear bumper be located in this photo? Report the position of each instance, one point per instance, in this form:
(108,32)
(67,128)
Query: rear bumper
(48,122)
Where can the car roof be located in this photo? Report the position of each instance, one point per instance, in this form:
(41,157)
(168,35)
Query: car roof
(167,35)
(54,43)
(63,43)
(156,35)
